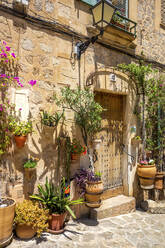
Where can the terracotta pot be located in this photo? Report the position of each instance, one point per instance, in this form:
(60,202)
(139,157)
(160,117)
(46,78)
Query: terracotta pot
(20,141)
(75,156)
(93,198)
(146,175)
(159,180)
(24,231)
(29,173)
(6,222)
(94,187)
(56,221)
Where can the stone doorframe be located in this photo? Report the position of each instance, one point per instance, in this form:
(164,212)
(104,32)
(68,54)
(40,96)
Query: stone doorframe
(112,81)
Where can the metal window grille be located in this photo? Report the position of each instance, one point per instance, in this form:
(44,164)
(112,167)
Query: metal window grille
(122,5)
(163,11)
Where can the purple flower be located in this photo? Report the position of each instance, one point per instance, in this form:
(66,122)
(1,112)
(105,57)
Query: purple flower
(7,48)
(1,109)
(4,42)
(13,54)
(32,82)
(2,75)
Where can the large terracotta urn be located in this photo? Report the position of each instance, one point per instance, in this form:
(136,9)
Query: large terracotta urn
(146,175)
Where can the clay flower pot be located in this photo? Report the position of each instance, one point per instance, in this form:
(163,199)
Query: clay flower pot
(56,222)
(20,141)
(6,221)
(24,231)
(159,180)
(93,193)
(75,156)
(29,173)
(146,175)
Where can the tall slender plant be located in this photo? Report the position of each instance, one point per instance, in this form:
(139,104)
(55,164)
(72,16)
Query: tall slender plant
(142,75)
(87,112)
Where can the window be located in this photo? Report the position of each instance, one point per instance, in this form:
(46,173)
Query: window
(122,5)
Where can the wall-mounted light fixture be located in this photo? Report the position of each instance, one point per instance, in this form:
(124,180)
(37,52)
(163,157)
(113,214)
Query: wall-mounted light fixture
(102,14)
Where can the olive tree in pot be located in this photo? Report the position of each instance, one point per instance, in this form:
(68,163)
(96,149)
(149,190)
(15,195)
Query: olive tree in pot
(87,112)
(55,200)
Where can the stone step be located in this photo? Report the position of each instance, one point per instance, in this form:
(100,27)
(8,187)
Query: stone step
(114,206)
(153,207)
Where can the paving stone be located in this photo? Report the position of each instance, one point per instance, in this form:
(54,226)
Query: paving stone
(134,230)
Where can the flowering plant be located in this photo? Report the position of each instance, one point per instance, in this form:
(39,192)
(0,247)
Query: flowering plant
(31,163)
(20,128)
(77,148)
(143,162)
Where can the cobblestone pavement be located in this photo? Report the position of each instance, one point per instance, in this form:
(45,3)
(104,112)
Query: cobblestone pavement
(138,229)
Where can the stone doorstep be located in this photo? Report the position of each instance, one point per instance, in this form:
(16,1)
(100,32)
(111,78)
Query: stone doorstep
(114,206)
(153,206)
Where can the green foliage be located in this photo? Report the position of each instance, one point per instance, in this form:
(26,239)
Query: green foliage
(87,111)
(28,212)
(54,199)
(76,147)
(20,128)
(30,163)
(51,120)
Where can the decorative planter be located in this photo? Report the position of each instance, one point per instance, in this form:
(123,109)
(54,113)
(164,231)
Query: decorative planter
(75,156)
(56,223)
(93,193)
(24,231)
(120,25)
(159,180)
(146,175)
(20,141)
(6,221)
(94,187)
(96,143)
(135,142)
(29,173)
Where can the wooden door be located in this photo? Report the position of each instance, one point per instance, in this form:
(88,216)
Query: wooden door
(110,153)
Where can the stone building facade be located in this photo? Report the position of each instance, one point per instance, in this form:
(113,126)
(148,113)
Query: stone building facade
(43,36)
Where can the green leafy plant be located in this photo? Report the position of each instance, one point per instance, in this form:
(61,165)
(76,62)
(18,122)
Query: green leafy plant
(31,163)
(29,213)
(54,198)
(51,120)
(76,147)
(20,128)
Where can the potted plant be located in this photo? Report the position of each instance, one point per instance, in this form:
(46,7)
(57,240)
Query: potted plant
(119,21)
(54,199)
(30,167)
(30,219)
(146,172)
(87,113)
(136,140)
(76,149)
(91,185)
(20,129)
(50,120)
(7,211)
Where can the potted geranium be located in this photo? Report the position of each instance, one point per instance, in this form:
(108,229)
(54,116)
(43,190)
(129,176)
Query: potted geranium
(55,200)
(146,172)
(30,167)
(30,219)
(20,129)
(76,149)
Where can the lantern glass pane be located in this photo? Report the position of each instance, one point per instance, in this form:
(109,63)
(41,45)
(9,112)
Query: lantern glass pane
(97,13)
(108,13)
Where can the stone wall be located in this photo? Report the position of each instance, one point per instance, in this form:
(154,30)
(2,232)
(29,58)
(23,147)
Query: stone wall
(47,56)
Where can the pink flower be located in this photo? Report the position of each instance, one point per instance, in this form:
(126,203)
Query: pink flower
(32,82)
(20,109)
(4,42)
(7,48)
(13,54)
(2,75)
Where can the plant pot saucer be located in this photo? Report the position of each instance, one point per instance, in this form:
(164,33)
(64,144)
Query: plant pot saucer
(93,205)
(56,232)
